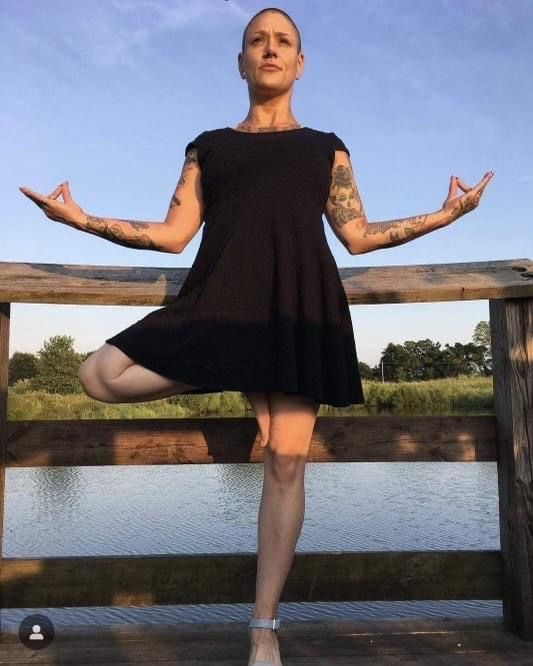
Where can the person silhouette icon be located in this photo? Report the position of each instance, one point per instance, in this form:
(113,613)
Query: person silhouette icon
(36,633)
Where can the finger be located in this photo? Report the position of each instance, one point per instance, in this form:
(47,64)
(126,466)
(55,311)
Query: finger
(66,193)
(56,192)
(453,187)
(463,185)
(483,182)
(35,196)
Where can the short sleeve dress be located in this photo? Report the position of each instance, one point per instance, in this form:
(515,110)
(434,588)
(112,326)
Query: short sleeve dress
(262,307)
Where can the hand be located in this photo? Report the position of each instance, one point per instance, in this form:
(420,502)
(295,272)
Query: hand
(460,205)
(68,212)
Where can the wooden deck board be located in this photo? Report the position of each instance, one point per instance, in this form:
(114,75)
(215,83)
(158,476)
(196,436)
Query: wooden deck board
(339,643)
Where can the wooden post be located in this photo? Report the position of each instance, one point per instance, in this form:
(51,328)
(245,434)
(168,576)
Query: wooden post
(511,326)
(5,309)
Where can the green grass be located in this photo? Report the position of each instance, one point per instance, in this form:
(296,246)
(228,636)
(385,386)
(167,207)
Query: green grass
(455,395)
(462,394)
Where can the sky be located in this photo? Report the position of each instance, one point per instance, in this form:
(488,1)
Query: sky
(107,93)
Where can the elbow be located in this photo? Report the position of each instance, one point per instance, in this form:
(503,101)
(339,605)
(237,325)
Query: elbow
(174,247)
(358,243)
(356,248)
(362,250)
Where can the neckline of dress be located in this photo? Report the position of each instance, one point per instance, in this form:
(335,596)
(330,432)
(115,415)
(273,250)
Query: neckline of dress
(287,131)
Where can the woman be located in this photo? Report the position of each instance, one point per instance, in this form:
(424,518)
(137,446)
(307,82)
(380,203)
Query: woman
(262,309)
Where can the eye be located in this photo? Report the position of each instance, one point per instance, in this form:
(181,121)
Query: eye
(285,40)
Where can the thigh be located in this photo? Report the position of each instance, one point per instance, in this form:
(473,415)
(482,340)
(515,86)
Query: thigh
(292,421)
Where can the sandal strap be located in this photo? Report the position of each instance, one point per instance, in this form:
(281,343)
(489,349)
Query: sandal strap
(256,623)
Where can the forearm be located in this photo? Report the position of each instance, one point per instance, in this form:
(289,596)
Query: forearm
(130,233)
(377,235)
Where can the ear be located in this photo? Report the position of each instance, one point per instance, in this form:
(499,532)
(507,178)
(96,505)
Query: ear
(300,66)
(239,65)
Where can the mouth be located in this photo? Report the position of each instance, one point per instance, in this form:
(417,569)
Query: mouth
(270,67)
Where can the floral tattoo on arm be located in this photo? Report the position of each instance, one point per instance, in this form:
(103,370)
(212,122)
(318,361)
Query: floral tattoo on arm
(344,196)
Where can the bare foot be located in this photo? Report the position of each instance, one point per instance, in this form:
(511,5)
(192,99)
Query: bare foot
(264,646)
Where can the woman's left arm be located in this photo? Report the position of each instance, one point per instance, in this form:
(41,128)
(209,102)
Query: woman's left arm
(344,212)
(378,235)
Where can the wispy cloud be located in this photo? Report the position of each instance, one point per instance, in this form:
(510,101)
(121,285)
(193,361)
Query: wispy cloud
(113,33)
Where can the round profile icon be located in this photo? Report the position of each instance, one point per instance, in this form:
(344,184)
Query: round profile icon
(36,632)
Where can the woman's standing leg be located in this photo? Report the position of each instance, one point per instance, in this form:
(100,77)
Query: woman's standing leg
(281,512)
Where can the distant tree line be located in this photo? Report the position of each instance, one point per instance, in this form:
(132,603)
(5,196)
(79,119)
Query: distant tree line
(54,368)
(418,360)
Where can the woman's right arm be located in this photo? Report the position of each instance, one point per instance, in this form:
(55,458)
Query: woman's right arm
(183,219)
(130,233)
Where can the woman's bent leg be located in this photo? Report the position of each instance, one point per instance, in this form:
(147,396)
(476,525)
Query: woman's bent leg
(110,375)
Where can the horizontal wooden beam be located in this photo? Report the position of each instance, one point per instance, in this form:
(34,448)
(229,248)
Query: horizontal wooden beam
(220,578)
(419,641)
(22,282)
(236,440)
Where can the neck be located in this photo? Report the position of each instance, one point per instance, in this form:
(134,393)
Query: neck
(250,126)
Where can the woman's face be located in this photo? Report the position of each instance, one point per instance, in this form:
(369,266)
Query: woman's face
(271,38)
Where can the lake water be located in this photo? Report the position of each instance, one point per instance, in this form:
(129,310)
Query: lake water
(165,509)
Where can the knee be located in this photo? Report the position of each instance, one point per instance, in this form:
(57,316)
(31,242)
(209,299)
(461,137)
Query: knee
(87,381)
(285,465)
(90,382)
(84,375)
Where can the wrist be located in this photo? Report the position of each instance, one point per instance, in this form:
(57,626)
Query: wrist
(78,220)
(447,216)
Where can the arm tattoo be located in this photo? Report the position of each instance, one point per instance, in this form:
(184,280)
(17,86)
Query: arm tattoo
(400,230)
(122,231)
(191,159)
(119,233)
(345,206)
(344,197)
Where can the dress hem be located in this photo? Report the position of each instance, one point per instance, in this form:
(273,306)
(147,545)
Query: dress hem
(228,386)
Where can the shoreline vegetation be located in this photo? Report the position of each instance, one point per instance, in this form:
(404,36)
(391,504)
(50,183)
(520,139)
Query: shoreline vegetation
(454,395)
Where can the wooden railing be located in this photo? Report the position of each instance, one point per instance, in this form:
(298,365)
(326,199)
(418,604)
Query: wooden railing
(506,437)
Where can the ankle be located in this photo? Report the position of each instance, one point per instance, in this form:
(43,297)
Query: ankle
(264,613)
(262,637)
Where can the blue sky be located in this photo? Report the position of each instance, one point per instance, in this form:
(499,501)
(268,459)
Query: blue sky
(106,94)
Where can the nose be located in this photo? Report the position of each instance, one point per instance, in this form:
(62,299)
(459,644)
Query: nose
(269,48)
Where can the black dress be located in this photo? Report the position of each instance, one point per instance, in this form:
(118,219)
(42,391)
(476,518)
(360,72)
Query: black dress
(262,308)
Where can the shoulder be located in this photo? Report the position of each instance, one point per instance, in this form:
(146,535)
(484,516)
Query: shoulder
(332,141)
(201,142)
(337,143)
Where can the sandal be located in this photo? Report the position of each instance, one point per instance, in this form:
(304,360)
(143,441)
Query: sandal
(256,623)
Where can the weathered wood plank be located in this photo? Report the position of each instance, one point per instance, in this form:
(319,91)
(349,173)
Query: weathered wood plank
(230,578)
(326,643)
(119,285)
(236,439)
(511,324)
(5,311)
